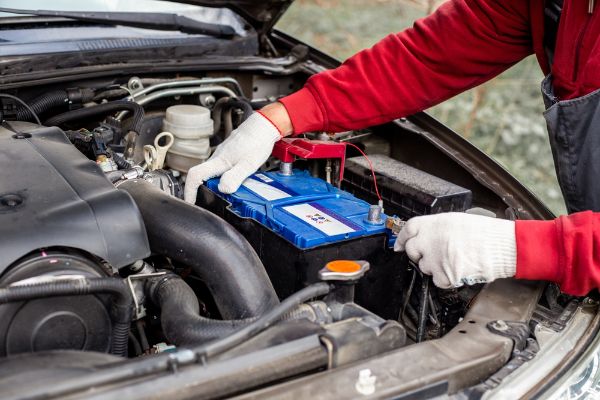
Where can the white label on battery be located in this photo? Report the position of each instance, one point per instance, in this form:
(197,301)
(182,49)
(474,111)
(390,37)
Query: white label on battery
(265,191)
(264,178)
(318,219)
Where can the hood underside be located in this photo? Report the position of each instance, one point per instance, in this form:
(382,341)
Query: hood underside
(262,15)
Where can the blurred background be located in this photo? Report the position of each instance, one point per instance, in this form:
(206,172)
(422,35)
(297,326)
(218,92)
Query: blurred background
(502,117)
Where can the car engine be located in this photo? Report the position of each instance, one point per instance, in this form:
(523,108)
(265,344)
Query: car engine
(101,254)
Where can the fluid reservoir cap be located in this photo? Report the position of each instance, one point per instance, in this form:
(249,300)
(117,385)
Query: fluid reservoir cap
(344,270)
(187,121)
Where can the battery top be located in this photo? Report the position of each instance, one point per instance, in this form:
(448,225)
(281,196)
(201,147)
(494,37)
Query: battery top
(305,210)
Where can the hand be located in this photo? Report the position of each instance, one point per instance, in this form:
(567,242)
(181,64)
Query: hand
(458,248)
(238,157)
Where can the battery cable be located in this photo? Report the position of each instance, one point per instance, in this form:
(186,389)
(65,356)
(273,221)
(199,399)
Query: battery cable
(372,169)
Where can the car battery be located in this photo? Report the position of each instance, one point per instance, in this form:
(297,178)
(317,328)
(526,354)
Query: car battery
(406,191)
(306,211)
(297,223)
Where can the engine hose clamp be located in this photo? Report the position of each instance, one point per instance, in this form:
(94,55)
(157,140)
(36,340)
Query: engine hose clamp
(140,311)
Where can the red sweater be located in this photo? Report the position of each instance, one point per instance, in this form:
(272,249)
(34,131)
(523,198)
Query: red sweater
(463,44)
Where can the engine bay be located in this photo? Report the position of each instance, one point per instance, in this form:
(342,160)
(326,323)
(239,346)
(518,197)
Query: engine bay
(102,255)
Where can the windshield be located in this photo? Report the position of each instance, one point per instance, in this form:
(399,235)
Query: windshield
(220,16)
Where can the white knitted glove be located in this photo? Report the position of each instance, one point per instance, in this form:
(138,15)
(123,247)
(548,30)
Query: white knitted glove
(238,157)
(458,248)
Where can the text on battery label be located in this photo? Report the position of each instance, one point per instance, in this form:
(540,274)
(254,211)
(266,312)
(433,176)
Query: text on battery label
(264,178)
(264,190)
(318,219)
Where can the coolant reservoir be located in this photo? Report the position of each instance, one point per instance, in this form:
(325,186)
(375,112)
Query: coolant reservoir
(192,127)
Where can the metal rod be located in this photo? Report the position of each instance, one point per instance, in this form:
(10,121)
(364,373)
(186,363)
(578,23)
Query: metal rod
(407,296)
(183,91)
(423,304)
(187,82)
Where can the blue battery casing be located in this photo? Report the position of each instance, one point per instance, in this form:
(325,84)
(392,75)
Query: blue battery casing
(305,210)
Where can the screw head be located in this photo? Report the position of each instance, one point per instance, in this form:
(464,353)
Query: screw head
(10,201)
(21,135)
(365,384)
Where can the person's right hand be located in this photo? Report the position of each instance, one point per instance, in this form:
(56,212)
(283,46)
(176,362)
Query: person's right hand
(238,157)
(458,248)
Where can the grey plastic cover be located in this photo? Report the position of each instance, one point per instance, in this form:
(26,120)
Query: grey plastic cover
(51,195)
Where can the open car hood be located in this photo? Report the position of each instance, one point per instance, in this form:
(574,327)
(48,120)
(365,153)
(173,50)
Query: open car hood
(261,14)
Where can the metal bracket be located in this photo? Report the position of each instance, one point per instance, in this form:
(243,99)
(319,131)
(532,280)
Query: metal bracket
(518,358)
(395,224)
(135,84)
(555,321)
(140,310)
(525,348)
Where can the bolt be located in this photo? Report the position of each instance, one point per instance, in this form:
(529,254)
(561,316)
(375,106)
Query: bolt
(365,384)
(135,83)
(374,214)
(207,100)
(588,301)
(285,169)
(21,135)
(500,325)
(11,200)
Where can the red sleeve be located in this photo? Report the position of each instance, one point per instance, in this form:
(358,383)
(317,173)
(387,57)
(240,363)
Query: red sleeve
(462,44)
(565,251)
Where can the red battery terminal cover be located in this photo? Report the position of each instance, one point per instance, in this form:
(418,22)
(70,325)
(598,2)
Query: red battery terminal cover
(287,150)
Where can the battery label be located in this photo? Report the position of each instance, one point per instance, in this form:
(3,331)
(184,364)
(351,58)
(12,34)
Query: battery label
(266,191)
(319,219)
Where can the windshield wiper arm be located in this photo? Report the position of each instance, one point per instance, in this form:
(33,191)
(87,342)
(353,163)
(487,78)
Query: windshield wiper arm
(159,21)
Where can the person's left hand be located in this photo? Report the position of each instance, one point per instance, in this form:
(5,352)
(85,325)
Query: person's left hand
(459,248)
(238,157)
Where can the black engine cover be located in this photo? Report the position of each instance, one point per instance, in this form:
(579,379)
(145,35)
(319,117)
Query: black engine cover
(52,196)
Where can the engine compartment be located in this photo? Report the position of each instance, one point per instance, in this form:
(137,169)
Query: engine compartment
(94,197)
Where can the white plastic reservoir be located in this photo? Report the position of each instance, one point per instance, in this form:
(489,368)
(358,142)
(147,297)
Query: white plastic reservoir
(192,127)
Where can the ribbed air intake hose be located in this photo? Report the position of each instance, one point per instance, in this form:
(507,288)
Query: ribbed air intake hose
(121,308)
(218,254)
(102,109)
(52,100)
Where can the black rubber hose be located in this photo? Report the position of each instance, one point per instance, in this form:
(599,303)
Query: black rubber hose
(52,100)
(148,366)
(102,109)
(142,332)
(120,161)
(227,104)
(121,310)
(137,348)
(285,307)
(217,112)
(244,105)
(45,102)
(180,318)
(227,123)
(217,253)
(110,94)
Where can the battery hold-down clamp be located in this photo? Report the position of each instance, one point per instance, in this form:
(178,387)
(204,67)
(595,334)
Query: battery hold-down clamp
(288,150)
